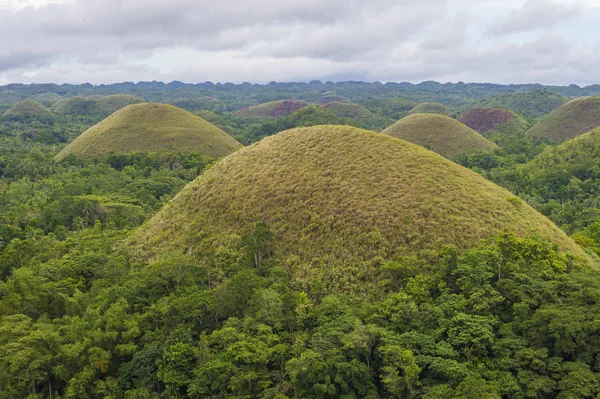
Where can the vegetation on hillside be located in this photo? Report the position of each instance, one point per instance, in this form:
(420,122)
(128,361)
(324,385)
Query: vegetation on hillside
(431,108)
(272,109)
(343,200)
(27,110)
(337,262)
(572,119)
(441,134)
(531,104)
(491,120)
(152,127)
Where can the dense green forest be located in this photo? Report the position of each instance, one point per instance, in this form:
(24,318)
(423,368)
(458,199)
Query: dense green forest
(514,316)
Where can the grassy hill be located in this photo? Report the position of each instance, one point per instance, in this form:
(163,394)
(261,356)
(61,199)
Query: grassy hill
(431,108)
(340,201)
(358,115)
(28,109)
(441,134)
(75,106)
(272,109)
(152,127)
(332,98)
(109,104)
(393,108)
(47,99)
(486,120)
(531,104)
(572,119)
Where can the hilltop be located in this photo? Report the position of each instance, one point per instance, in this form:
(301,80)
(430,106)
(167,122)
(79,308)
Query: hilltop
(75,106)
(339,200)
(572,119)
(486,120)
(441,134)
(28,109)
(431,108)
(272,109)
(152,127)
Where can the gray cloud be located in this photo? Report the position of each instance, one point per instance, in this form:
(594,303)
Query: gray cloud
(535,14)
(233,40)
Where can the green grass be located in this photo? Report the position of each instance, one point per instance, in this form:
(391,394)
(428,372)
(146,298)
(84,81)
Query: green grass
(572,119)
(109,104)
(358,115)
(490,120)
(431,108)
(152,127)
(28,109)
(441,134)
(340,200)
(272,109)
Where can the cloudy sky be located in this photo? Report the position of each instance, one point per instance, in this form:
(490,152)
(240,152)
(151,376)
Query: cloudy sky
(105,41)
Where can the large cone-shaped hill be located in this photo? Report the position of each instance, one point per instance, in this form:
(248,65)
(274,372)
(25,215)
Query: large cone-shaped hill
(487,120)
(441,134)
(340,199)
(152,127)
(28,109)
(572,119)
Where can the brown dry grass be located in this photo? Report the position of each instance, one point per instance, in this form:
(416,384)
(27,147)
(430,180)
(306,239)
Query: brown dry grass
(152,127)
(339,200)
(442,134)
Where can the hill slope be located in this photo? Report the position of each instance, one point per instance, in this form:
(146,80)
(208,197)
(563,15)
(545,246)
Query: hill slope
(572,119)
(431,108)
(358,115)
(28,109)
(485,120)
(75,106)
(441,134)
(341,200)
(152,127)
(272,109)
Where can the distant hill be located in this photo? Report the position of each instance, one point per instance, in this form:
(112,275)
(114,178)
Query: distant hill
(94,106)
(393,108)
(47,99)
(441,134)
(339,201)
(28,109)
(431,108)
(486,120)
(531,104)
(359,115)
(572,119)
(109,104)
(331,99)
(76,106)
(272,109)
(198,104)
(152,127)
